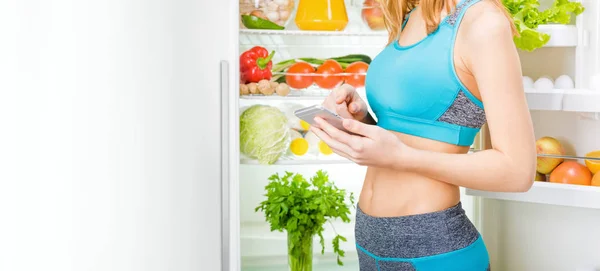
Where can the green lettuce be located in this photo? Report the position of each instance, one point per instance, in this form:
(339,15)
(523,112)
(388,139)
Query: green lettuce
(527,17)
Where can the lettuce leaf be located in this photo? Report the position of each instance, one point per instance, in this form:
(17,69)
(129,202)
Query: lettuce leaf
(527,17)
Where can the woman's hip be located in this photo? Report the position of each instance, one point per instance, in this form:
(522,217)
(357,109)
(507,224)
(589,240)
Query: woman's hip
(443,240)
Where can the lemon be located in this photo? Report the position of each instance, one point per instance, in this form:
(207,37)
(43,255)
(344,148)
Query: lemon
(324,149)
(593,165)
(299,146)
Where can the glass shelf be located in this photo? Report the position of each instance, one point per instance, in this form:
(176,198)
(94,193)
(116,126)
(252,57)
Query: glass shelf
(356,33)
(301,160)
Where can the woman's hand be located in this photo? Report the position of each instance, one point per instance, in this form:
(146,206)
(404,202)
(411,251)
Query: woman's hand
(346,102)
(372,146)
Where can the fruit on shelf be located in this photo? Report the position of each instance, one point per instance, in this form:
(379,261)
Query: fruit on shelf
(548,145)
(596,180)
(372,14)
(328,74)
(299,75)
(571,172)
(357,71)
(593,165)
(539,177)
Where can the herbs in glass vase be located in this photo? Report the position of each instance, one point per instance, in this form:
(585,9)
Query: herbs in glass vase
(302,207)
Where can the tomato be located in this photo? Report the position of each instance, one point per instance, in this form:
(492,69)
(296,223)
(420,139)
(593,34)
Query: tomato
(295,77)
(356,79)
(326,77)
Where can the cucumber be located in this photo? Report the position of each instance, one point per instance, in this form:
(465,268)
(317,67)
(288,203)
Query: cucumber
(253,22)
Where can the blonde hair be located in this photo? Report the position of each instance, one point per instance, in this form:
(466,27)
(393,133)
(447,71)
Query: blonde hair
(394,12)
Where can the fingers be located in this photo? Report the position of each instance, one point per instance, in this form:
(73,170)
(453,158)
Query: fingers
(342,110)
(360,128)
(349,144)
(344,93)
(337,147)
(333,132)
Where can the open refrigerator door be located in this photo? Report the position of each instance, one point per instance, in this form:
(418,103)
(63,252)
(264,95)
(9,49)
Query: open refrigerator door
(283,67)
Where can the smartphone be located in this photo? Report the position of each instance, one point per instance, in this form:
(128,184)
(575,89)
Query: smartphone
(309,113)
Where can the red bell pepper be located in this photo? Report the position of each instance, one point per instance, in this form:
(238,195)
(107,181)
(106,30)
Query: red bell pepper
(255,65)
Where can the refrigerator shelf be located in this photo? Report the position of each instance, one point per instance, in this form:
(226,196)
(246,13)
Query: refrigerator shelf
(305,160)
(354,33)
(550,193)
(311,93)
(573,100)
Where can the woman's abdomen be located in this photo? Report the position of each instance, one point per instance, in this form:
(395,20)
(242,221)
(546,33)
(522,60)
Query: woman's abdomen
(391,193)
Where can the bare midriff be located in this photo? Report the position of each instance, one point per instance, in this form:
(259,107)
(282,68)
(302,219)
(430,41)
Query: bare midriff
(389,193)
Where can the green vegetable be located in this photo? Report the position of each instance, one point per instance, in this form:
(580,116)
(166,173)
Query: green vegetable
(254,22)
(527,17)
(302,207)
(264,134)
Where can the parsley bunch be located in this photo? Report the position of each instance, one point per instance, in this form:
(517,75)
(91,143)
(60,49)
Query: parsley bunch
(302,207)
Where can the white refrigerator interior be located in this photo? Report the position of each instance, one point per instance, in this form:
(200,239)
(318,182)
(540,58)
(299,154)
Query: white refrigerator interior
(111,143)
(550,228)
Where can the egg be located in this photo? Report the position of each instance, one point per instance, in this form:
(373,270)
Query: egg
(527,82)
(316,145)
(543,84)
(548,77)
(564,82)
(298,145)
(293,121)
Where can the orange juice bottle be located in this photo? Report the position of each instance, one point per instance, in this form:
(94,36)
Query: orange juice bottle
(328,15)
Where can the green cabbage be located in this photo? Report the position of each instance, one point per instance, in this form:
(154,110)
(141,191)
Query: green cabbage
(264,134)
(528,17)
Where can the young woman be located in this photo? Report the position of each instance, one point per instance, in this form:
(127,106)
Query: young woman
(449,68)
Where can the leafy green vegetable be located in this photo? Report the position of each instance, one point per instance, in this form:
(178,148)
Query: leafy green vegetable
(302,207)
(264,133)
(527,17)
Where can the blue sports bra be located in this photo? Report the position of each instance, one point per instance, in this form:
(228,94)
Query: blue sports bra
(415,89)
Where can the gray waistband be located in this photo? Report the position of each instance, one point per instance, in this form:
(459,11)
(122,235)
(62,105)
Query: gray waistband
(415,236)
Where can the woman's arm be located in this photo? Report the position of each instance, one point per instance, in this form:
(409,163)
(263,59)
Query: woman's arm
(510,164)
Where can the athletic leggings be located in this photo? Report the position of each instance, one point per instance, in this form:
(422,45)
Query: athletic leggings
(444,241)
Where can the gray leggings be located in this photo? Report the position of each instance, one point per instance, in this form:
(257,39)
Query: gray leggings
(444,240)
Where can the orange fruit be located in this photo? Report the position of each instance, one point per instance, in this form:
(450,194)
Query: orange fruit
(593,165)
(571,172)
(596,180)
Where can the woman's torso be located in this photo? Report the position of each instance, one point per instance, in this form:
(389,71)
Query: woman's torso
(387,192)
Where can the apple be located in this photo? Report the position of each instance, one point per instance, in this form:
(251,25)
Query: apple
(373,15)
(539,177)
(548,145)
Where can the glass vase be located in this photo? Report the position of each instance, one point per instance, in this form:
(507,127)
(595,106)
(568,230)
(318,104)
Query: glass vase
(300,254)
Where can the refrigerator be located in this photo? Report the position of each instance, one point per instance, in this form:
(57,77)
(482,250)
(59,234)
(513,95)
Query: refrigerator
(120,147)
(550,228)
(115,135)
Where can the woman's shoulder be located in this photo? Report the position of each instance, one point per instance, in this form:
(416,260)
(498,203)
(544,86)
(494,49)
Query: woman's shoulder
(486,22)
